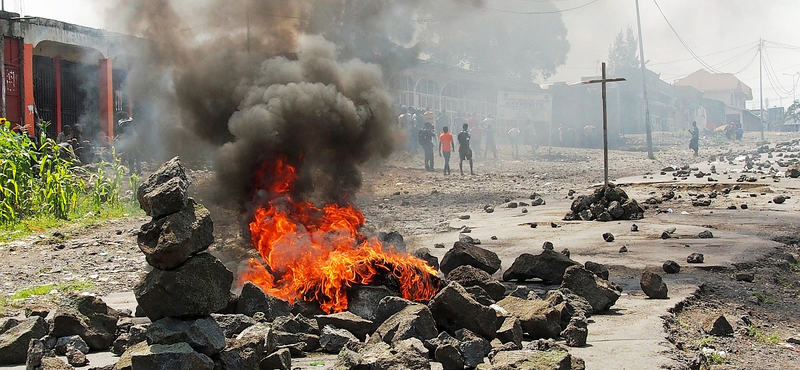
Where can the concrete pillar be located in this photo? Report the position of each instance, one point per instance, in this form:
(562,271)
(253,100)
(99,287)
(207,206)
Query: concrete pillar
(106,102)
(57,63)
(27,78)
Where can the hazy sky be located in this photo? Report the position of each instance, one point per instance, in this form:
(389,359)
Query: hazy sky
(723,33)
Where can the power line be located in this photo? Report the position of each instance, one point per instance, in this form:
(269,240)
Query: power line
(525,13)
(706,55)
(685,45)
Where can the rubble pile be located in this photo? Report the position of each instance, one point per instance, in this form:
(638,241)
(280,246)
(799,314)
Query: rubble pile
(606,204)
(188,318)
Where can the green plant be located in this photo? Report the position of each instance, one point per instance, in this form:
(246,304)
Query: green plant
(756,334)
(716,358)
(77,285)
(317,363)
(704,341)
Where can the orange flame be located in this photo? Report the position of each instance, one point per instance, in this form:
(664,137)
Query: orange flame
(316,254)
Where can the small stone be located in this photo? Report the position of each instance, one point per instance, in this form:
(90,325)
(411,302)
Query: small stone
(489,209)
(512,205)
(608,237)
(653,286)
(534,225)
(695,258)
(524,210)
(554,225)
(743,206)
(705,234)
(634,228)
(671,267)
(565,252)
(439,245)
(494,237)
(548,246)
(731,207)
(665,235)
(463,217)
(717,326)
(623,249)
(779,199)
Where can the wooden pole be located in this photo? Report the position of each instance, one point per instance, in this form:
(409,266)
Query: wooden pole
(605,129)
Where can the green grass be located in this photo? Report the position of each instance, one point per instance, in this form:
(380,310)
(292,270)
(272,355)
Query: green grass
(715,358)
(16,297)
(764,298)
(756,334)
(704,341)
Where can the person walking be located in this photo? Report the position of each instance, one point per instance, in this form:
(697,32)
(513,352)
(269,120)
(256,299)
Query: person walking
(464,151)
(514,136)
(694,143)
(426,137)
(490,145)
(446,147)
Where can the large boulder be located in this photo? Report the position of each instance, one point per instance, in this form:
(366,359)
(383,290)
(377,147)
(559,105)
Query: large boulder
(529,360)
(233,324)
(453,308)
(165,191)
(88,317)
(574,305)
(414,321)
(248,348)
(296,324)
(467,254)
(653,286)
(381,356)
(425,255)
(598,292)
(389,306)
(203,334)
(14,342)
(333,339)
(172,356)
(278,360)
(198,287)
(548,266)
(511,331)
(469,276)
(538,318)
(253,300)
(169,241)
(362,300)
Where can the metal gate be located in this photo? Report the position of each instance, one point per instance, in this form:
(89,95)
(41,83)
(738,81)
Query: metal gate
(79,97)
(44,92)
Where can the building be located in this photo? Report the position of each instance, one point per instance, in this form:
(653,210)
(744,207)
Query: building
(67,74)
(727,89)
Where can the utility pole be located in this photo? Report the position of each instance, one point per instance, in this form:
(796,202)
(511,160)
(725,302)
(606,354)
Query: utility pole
(760,87)
(603,81)
(248,29)
(647,127)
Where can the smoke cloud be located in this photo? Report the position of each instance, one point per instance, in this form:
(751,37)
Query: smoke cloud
(246,82)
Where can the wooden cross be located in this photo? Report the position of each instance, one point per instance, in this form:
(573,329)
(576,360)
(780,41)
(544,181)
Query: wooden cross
(603,81)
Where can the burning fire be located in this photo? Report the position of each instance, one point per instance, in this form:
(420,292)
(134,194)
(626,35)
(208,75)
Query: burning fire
(316,254)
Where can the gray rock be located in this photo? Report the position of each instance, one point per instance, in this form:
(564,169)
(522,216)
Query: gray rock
(172,356)
(548,266)
(414,321)
(605,216)
(90,318)
(425,255)
(306,308)
(466,254)
(165,191)
(779,199)
(608,237)
(717,326)
(363,300)
(548,246)
(380,356)
(14,343)
(695,258)
(576,332)
(671,267)
(600,294)
(530,359)
(705,234)
(253,300)
(480,295)
(389,306)
(653,286)
(598,269)
(77,358)
(7,323)
(393,239)
(665,235)
(511,331)
(296,324)
(453,308)
(72,342)
(615,210)
(359,326)
(565,252)
(522,291)
(449,356)
(300,341)
(333,339)
(199,287)
(203,334)
(278,360)
(248,348)
(233,324)
(34,355)
(574,305)
(169,241)
(634,228)
(623,249)
(469,276)
(539,319)
(472,347)
(464,238)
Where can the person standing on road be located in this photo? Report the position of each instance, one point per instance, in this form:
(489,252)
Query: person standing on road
(514,136)
(490,145)
(446,147)
(464,151)
(426,137)
(694,143)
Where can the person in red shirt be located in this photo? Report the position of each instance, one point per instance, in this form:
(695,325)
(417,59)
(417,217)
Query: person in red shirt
(446,147)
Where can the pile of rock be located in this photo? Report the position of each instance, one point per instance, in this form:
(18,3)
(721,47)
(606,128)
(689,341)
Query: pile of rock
(606,204)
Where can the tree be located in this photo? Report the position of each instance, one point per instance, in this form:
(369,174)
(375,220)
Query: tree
(623,53)
(487,37)
(793,112)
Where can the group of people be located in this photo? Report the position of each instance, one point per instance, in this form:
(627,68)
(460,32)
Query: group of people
(478,135)
(734,131)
